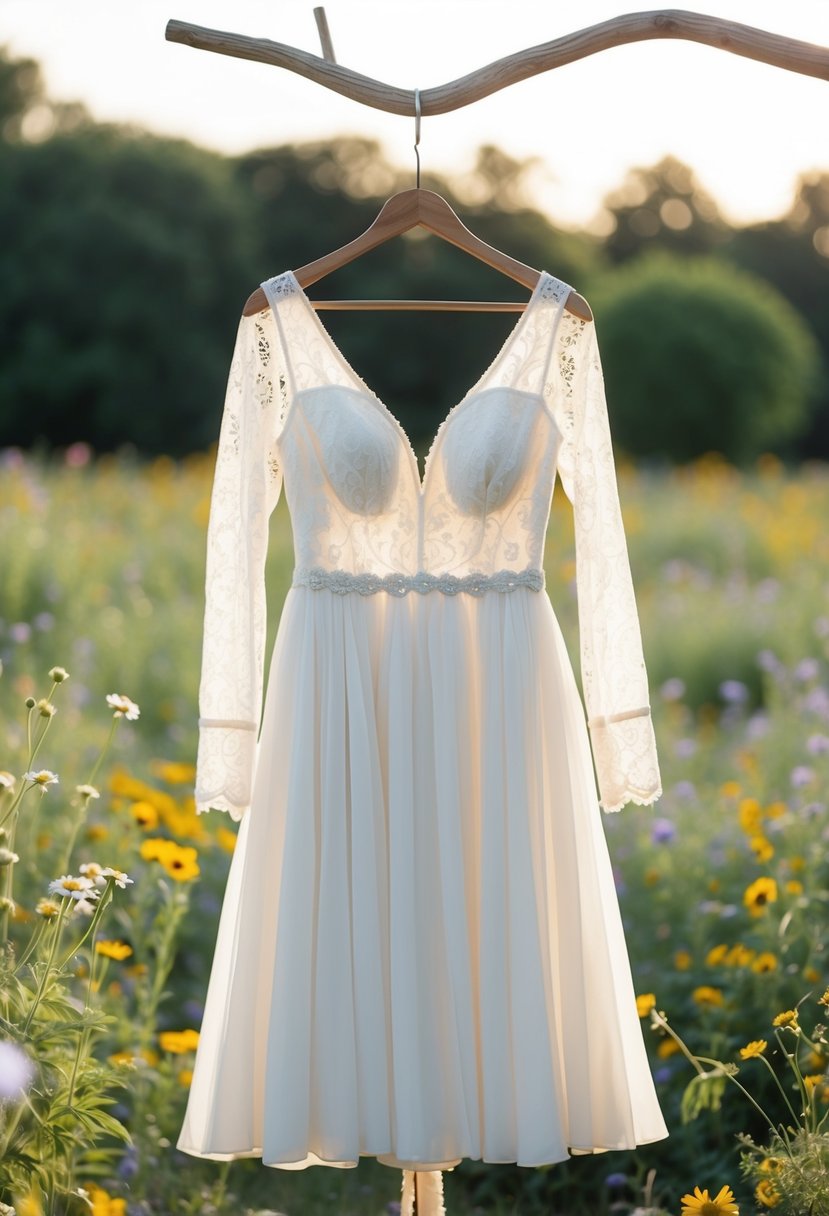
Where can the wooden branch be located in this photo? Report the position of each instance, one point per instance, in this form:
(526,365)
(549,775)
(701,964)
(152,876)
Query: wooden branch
(806,58)
(325,35)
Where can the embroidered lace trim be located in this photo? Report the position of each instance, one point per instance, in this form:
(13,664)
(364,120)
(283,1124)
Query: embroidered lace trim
(342,582)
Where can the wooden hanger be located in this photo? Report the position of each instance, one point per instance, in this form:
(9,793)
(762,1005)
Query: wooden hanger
(425,209)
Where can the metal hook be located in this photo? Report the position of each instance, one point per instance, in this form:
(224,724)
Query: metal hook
(417,133)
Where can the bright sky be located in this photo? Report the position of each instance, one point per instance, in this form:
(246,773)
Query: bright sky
(747,129)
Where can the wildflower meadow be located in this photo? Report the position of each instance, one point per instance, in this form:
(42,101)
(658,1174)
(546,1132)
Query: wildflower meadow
(111,885)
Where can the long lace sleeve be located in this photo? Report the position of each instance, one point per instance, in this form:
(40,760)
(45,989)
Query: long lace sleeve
(246,487)
(614,679)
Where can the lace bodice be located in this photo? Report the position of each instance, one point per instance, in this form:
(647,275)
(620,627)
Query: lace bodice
(363,522)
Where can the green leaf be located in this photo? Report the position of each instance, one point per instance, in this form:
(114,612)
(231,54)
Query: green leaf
(704,1092)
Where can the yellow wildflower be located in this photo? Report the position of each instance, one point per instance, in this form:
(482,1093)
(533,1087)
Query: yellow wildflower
(766,1194)
(770,1165)
(29,1205)
(731,789)
(181,865)
(185,1076)
(178,1041)
(701,1204)
(716,955)
(759,895)
(750,815)
(102,1204)
(787,1018)
(113,949)
(667,1048)
(793,887)
(765,962)
(645,1003)
(226,839)
(824,1000)
(810,975)
(775,810)
(683,960)
(144,814)
(812,1080)
(753,1050)
(707,996)
(762,848)
(739,956)
(156,847)
(125,1058)
(174,773)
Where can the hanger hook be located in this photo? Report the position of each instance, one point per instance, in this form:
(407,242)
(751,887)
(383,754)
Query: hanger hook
(417,134)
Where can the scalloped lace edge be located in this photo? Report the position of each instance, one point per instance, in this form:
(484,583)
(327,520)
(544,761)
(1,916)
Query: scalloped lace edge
(630,796)
(221,803)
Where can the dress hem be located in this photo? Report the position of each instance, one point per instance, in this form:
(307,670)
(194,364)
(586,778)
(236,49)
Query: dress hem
(408,1164)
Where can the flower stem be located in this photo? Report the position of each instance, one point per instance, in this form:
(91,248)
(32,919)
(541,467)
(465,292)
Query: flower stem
(41,988)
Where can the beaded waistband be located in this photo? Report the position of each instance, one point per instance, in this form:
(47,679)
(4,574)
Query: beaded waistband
(343,583)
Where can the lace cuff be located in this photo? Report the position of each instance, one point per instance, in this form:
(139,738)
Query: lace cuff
(225,764)
(624,751)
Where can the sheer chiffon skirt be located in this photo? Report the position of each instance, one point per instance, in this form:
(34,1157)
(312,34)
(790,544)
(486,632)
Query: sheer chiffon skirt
(420,955)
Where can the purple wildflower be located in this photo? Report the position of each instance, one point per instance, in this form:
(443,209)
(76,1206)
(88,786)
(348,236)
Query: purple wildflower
(734,691)
(686,790)
(614,1180)
(816,745)
(673,689)
(662,831)
(807,670)
(801,775)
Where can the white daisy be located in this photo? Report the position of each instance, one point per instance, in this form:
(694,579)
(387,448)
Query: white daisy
(77,888)
(44,777)
(87,791)
(91,869)
(121,879)
(123,706)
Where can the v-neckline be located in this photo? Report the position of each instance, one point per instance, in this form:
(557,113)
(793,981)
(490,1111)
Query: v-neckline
(513,334)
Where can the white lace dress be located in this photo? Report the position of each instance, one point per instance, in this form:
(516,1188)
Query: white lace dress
(420,956)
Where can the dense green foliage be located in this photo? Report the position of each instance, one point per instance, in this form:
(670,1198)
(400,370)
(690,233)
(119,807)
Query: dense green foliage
(702,356)
(128,258)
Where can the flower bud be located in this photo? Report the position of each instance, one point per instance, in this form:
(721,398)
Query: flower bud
(30,702)
(58,674)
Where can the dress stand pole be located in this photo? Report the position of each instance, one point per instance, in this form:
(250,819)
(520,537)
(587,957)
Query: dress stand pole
(422,1193)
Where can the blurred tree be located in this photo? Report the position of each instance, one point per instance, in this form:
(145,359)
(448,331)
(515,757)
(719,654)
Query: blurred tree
(701,356)
(661,206)
(128,259)
(793,254)
(25,111)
